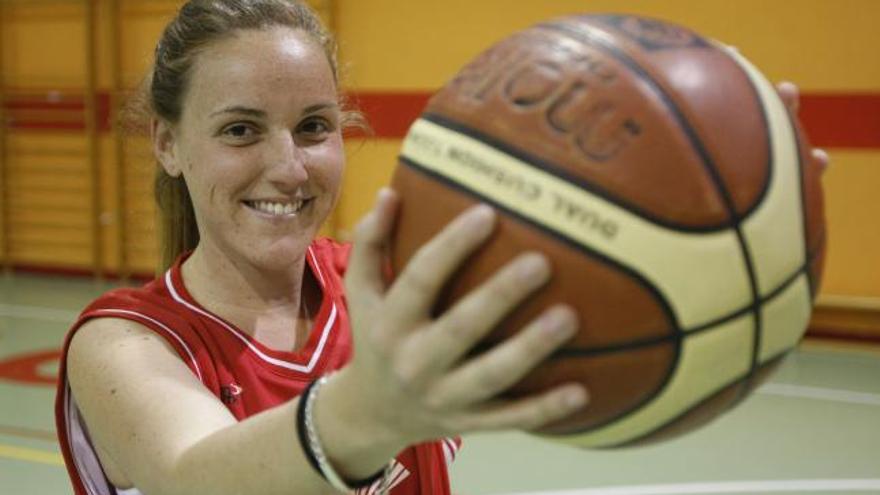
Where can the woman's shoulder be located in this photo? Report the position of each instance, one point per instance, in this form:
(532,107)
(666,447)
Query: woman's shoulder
(151,306)
(139,314)
(152,295)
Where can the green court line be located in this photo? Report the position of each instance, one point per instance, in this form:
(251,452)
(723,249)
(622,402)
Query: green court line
(31,455)
(22,432)
(38,313)
(820,393)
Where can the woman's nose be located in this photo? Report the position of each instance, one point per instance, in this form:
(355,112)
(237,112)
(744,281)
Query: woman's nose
(287,161)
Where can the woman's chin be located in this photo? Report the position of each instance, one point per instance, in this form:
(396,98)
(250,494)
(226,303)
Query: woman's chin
(281,254)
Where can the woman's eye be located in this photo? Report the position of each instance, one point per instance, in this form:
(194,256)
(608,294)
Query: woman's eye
(315,127)
(239,131)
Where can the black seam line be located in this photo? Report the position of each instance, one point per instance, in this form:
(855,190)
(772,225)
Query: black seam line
(758,330)
(586,37)
(744,382)
(677,337)
(557,171)
(616,52)
(638,277)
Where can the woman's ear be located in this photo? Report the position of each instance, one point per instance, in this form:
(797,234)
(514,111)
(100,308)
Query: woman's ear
(163,137)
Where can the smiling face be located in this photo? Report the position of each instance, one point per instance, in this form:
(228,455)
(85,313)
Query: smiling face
(259,145)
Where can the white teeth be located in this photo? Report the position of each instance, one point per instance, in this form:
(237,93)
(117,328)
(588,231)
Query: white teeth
(273,208)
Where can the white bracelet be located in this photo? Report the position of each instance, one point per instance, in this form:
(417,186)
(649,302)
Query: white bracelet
(317,450)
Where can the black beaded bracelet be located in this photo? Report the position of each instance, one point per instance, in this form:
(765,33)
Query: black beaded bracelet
(311,445)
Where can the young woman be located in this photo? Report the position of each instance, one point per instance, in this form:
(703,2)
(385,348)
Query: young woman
(195,383)
(265,360)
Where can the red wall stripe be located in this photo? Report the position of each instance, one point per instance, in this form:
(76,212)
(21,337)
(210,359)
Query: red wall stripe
(842,120)
(57,111)
(832,120)
(390,114)
(79,272)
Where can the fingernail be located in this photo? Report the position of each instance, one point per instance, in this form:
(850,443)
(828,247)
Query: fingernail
(576,397)
(479,216)
(533,268)
(561,323)
(383,195)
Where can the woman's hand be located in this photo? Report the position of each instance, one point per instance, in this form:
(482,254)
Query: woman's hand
(791,97)
(410,371)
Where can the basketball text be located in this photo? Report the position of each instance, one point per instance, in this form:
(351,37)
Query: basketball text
(562,84)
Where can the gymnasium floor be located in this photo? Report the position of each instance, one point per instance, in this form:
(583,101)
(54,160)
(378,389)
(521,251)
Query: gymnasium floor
(815,428)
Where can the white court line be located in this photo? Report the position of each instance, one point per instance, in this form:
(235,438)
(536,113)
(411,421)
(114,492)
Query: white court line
(829,394)
(38,313)
(756,487)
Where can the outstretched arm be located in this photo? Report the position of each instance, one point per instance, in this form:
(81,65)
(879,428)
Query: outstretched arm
(157,428)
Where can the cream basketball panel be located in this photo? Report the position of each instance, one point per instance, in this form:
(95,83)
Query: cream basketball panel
(784,319)
(709,361)
(774,231)
(666,258)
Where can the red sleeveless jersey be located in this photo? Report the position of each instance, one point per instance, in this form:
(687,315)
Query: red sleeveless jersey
(245,375)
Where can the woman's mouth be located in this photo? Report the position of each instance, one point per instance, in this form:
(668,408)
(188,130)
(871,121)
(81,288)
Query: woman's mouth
(278,208)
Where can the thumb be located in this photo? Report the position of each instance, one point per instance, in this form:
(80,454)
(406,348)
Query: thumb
(790,95)
(365,274)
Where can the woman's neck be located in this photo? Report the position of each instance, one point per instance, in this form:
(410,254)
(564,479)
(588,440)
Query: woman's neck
(275,307)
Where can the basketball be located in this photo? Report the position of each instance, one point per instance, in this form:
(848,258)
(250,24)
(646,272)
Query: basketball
(669,186)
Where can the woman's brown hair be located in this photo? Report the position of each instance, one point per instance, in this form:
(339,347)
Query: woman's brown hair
(197,24)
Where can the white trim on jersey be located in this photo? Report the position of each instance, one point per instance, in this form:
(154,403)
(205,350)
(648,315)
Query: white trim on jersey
(164,327)
(317,268)
(450,448)
(398,473)
(85,459)
(307,368)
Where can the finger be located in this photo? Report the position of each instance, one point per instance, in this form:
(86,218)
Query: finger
(529,413)
(457,330)
(790,95)
(821,159)
(364,273)
(498,369)
(415,291)
(433,351)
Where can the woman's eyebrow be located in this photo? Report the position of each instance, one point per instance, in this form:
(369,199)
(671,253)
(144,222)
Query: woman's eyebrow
(236,109)
(320,106)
